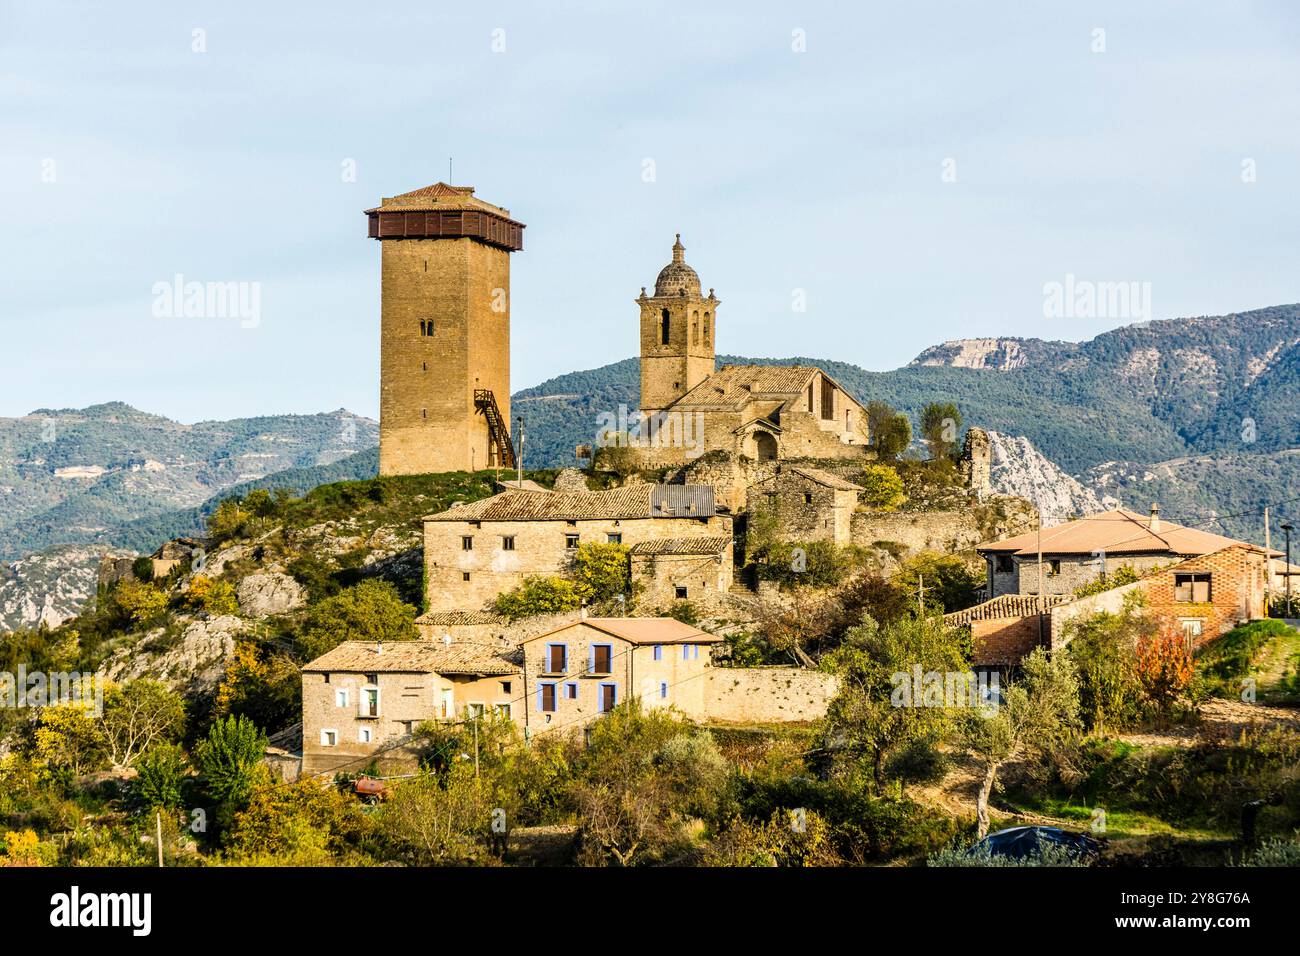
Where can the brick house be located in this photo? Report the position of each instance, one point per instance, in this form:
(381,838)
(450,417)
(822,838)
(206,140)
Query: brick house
(475,552)
(361,697)
(1203,597)
(577,672)
(1077,553)
(814,505)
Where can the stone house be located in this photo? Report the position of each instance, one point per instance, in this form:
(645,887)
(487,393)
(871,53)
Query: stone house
(697,569)
(361,698)
(813,505)
(475,552)
(577,672)
(1202,597)
(1079,552)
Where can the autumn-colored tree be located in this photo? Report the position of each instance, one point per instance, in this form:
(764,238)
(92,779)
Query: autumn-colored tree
(1165,668)
(143,603)
(68,737)
(211,596)
(881,487)
(601,571)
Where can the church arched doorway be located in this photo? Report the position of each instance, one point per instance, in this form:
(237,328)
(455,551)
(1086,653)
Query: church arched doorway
(765,446)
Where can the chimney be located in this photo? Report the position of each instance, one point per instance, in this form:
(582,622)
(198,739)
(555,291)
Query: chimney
(446,638)
(582,613)
(379,648)
(1155,517)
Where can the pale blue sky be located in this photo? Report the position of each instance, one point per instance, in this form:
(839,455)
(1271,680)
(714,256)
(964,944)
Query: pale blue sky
(818,170)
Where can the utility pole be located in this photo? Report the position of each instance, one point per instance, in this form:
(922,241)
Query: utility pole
(920,594)
(476,746)
(157,818)
(1287,529)
(1040,554)
(1268,563)
(520,463)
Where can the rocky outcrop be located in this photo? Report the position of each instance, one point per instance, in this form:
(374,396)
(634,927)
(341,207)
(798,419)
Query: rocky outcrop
(571,479)
(49,587)
(1018,468)
(270,592)
(193,666)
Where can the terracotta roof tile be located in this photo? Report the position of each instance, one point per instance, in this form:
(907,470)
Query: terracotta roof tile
(634,501)
(413,657)
(733,386)
(1007,605)
(1115,532)
(698,544)
(640,630)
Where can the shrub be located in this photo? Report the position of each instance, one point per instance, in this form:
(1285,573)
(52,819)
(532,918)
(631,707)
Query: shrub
(882,487)
(211,596)
(1275,852)
(370,611)
(950,584)
(229,759)
(142,568)
(1227,660)
(142,603)
(538,595)
(1125,574)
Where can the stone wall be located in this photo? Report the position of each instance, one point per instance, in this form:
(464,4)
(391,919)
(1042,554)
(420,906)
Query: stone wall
(704,577)
(767,694)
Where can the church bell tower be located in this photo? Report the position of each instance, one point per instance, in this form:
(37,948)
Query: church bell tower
(677,334)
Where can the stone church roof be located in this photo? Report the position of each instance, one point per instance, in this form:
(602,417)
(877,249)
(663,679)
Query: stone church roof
(677,275)
(734,386)
(824,478)
(633,501)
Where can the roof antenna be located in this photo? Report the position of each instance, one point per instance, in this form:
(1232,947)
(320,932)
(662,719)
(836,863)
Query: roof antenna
(449,177)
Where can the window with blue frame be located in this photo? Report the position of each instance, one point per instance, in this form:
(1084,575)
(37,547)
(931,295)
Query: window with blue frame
(546,698)
(571,691)
(686,652)
(663,690)
(608,698)
(659,652)
(557,658)
(602,658)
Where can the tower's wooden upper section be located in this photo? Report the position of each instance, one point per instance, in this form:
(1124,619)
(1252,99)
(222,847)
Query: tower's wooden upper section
(441,211)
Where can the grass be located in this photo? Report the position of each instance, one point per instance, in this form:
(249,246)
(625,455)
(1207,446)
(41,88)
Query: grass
(1259,650)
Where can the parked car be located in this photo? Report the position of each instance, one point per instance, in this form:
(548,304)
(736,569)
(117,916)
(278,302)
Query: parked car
(1021,842)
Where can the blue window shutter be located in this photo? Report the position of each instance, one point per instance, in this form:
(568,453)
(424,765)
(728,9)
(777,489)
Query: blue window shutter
(686,652)
(659,652)
(539,698)
(695,651)
(591,657)
(663,689)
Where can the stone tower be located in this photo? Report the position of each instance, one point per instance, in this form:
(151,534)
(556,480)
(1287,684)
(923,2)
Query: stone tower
(444,341)
(975,462)
(677,334)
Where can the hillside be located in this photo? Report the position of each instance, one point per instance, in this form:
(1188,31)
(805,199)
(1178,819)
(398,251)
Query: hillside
(1172,391)
(72,476)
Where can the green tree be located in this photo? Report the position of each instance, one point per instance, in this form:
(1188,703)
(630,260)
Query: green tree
(538,595)
(211,596)
(881,487)
(138,715)
(1038,715)
(229,759)
(941,424)
(879,415)
(160,778)
(227,520)
(894,437)
(142,603)
(601,571)
(434,820)
(67,737)
(370,611)
(950,583)
(867,721)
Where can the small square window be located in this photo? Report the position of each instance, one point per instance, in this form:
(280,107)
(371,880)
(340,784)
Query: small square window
(680,592)
(505,687)
(571,691)
(475,710)
(570,541)
(1054,566)
(501,710)
(614,537)
(329,738)
(464,575)
(659,652)
(364,735)
(1005,564)
(467,542)
(807,497)
(508,542)
(341,698)
(663,690)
